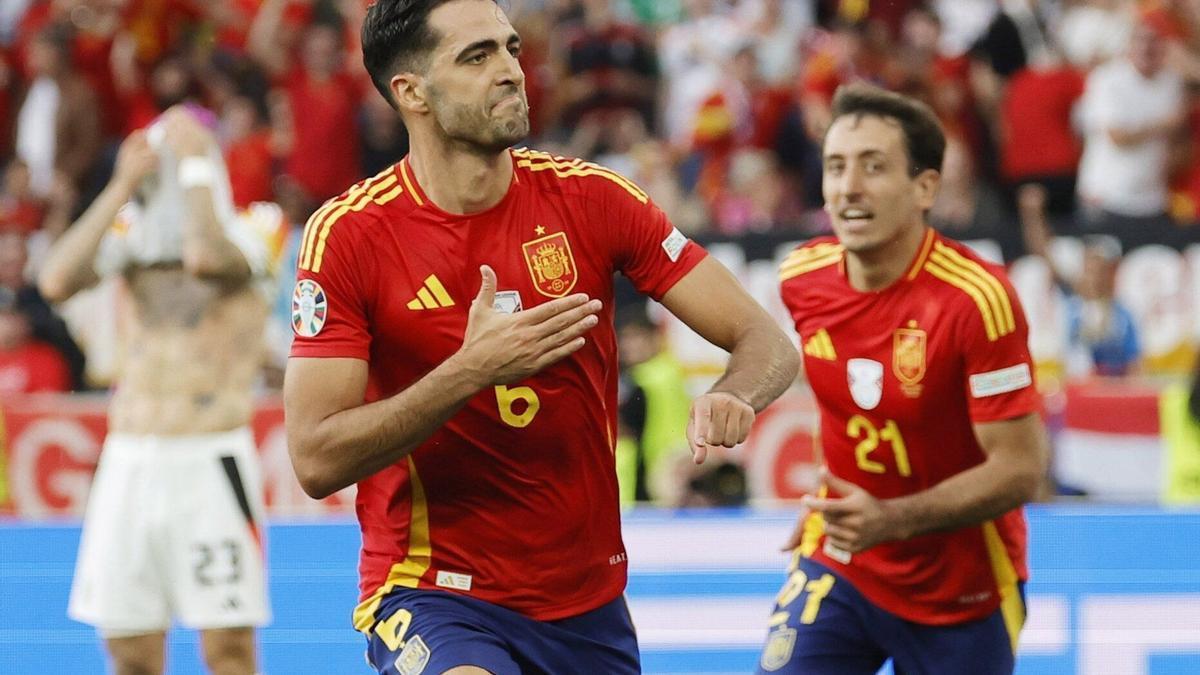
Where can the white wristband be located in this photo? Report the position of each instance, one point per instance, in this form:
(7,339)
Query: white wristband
(196,171)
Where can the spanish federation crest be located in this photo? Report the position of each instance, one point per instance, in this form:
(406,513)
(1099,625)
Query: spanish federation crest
(551,264)
(865,377)
(908,358)
(309,308)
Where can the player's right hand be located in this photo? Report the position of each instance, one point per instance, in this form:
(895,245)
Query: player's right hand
(135,160)
(501,348)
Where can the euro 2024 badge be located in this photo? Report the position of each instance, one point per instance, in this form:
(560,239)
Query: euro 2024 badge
(309,308)
(551,265)
(865,377)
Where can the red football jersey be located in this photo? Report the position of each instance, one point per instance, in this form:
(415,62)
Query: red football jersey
(513,501)
(900,376)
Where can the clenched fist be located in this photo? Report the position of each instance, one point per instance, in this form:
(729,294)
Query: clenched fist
(717,418)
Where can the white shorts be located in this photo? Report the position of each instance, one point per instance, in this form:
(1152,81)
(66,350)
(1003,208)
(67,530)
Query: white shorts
(173,530)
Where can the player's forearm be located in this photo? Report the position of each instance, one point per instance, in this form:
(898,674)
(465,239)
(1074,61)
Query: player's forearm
(69,267)
(353,444)
(207,252)
(981,493)
(762,365)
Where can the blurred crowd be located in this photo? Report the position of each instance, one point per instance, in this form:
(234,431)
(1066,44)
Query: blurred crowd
(1076,117)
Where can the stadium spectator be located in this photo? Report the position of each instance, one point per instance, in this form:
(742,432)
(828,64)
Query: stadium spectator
(27,365)
(1091,32)
(495,479)
(943,81)
(850,51)
(58,133)
(179,454)
(652,406)
(317,96)
(1123,171)
(1103,337)
(913,549)
(248,149)
(1038,143)
(776,28)
(45,326)
(610,66)
(692,53)
(968,208)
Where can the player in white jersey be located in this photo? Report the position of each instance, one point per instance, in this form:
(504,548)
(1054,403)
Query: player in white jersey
(173,524)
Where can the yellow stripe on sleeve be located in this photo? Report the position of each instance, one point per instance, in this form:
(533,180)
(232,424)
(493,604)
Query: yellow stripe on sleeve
(333,217)
(1006,322)
(968,287)
(319,218)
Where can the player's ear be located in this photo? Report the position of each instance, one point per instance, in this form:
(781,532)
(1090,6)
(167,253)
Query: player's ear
(409,92)
(925,188)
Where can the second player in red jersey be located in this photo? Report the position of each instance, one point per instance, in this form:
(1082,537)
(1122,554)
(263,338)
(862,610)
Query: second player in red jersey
(902,374)
(915,348)
(456,359)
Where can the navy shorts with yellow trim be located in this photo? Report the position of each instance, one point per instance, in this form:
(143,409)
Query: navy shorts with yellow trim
(431,631)
(831,629)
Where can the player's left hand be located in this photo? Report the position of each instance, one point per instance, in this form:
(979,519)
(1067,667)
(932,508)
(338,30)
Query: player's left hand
(717,418)
(855,521)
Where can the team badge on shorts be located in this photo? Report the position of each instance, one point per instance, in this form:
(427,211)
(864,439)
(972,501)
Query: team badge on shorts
(413,658)
(779,649)
(309,308)
(551,264)
(865,377)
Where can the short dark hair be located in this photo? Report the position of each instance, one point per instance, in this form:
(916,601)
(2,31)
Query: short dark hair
(924,140)
(396,36)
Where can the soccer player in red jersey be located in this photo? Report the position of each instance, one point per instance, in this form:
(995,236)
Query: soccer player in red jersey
(456,359)
(915,348)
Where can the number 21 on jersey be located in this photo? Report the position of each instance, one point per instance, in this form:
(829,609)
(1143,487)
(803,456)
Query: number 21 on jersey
(869,437)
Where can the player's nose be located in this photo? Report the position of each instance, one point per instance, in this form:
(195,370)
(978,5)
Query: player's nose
(510,72)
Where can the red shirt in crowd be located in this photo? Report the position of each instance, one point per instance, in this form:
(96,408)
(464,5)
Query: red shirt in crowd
(325,148)
(33,367)
(1038,139)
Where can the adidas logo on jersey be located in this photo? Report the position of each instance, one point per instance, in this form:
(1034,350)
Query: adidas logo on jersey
(819,346)
(431,295)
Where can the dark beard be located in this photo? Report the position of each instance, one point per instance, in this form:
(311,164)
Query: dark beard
(472,130)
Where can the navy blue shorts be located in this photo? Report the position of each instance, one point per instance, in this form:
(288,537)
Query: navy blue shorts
(831,629)
(430,632)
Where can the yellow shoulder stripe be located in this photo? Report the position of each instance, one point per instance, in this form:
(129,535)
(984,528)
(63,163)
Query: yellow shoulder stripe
(985,289)
(809,252)
(989,321)
(564,168)
(408,573)
(380,190)
(809,264)
(993,291)
(1003,306)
